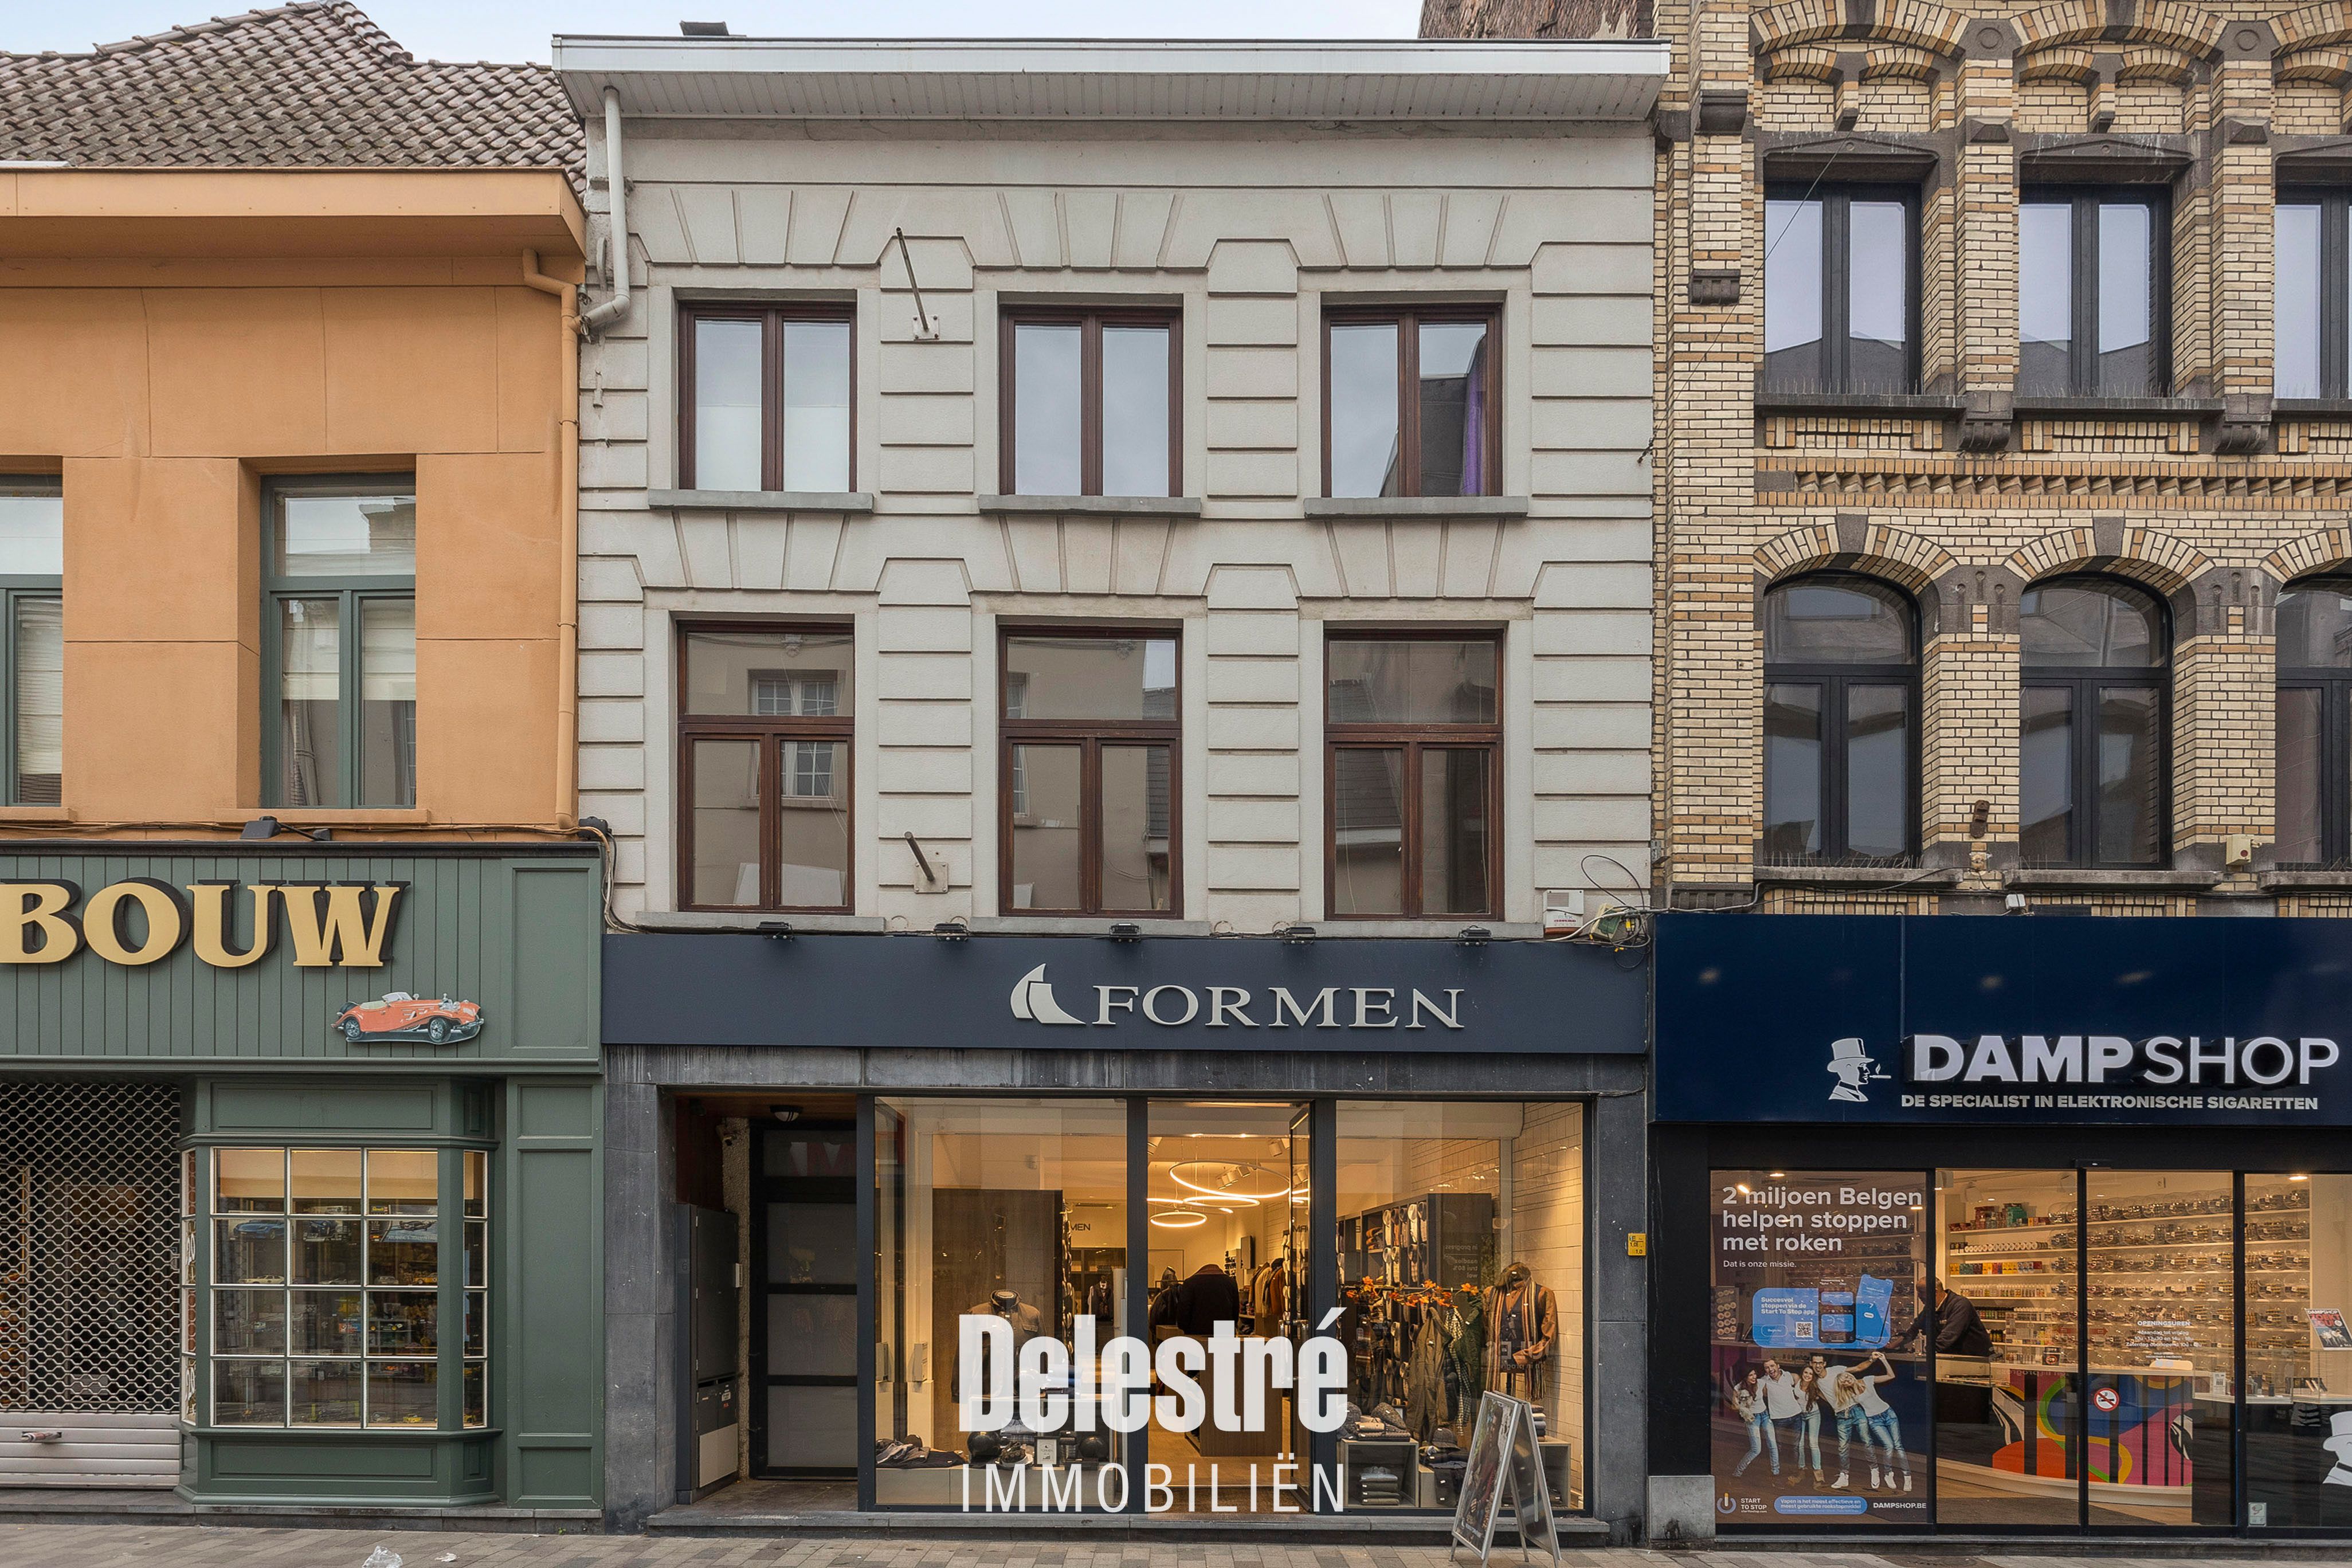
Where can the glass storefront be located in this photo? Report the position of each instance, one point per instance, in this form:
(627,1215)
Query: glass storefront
(1461,1258)
(1120,1304)
(2032,1349)
(1010,1212)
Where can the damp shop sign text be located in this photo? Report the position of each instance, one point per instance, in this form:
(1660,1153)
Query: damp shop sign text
(142,920)
(2193,1072)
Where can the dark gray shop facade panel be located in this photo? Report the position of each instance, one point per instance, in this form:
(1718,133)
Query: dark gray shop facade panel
(1092,993)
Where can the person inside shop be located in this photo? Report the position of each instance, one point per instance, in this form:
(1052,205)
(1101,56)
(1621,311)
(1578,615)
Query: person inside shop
(1203,1302)
(1958,1329)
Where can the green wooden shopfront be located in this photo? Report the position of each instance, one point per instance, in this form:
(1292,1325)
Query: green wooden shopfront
(299,1172)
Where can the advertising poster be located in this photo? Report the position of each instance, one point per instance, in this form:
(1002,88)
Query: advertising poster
(1821,1400)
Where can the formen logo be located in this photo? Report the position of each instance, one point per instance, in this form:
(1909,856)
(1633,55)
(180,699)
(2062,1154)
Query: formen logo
(1239,1007)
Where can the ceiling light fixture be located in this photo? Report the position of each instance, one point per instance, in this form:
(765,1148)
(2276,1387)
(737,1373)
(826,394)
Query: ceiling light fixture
(1181,1219)
(1236,1169)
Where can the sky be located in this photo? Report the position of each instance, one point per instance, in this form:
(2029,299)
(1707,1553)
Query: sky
(520,29)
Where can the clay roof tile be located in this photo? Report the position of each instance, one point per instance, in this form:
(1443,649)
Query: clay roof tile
(311,85)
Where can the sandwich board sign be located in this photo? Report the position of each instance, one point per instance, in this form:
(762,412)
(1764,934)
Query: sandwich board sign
(1504,1459)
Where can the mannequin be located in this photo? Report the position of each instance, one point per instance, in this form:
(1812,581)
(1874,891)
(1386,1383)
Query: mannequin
(1522,1325)
(1027,1322)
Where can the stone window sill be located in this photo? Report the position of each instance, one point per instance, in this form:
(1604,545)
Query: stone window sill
(2178,408)
(2269,881)
(2331,408)
(1926,878)
(36,814)
(761,501)
(750,920)
(1878,403)
(1335,926)
(316,817)
(1416,506)
(2078,880)
(1083,925)
(1090,506)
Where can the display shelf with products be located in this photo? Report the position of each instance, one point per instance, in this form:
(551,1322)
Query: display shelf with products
(2163,1282)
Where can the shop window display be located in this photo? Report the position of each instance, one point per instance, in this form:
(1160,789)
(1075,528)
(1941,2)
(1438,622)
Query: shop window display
(2088,1331)
(2109,1405)
(1460,1258)
(1011,1211)
(1455,1240)
(1820,1407)
(2299,1350)
(1227,1190)
(325,1298)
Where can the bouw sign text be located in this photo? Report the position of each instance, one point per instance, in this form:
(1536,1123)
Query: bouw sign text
(142,920)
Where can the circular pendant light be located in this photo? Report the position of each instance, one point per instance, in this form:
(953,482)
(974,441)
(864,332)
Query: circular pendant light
(1179,1219)
(1237,1170)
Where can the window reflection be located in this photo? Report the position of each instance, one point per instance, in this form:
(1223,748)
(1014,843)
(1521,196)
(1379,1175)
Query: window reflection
(1793,293)
(2046,297)
(1045,435)
(1365,459)
(1839,733)
(2314,754)
(2295,249)
(2093,770)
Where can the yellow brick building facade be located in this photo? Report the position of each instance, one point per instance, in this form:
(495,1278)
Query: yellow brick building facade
(2216,492)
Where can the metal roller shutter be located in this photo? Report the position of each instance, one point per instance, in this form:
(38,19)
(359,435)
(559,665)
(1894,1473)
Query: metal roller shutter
(90,1272)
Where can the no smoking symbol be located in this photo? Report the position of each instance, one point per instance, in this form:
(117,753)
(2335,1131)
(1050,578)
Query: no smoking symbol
(2105,1400)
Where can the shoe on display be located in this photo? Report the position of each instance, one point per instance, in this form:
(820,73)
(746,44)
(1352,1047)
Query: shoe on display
(1838,1485)
(1907,1480)
(1874,1478)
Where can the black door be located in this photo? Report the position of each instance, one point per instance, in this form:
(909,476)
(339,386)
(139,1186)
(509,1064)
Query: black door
(804,1310)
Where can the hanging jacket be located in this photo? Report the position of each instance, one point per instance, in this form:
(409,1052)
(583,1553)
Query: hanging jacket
(1425,1405)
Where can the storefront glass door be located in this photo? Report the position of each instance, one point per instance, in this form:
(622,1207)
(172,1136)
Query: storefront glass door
(1006,1222)
(2161,1303)
(2008,1445)
(2298,1383)
(1218,1184)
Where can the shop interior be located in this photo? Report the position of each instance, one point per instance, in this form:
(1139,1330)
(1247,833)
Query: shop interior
(2125,1298)
(2132,1319)
(1456,1257)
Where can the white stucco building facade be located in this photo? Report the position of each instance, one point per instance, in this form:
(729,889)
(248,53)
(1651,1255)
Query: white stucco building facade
(1247,194)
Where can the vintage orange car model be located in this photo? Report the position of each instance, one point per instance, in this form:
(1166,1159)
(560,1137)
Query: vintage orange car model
(397,1015)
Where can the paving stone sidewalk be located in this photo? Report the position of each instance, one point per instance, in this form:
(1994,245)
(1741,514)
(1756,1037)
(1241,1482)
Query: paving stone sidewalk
(192,1546)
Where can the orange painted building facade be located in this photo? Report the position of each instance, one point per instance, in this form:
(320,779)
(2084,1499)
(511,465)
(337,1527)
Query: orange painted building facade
(175,341)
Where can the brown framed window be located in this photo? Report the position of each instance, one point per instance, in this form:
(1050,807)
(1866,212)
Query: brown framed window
(1411,402)
(1092,402)
(1089,785)
(764,726)
(1413,763)
(768,397)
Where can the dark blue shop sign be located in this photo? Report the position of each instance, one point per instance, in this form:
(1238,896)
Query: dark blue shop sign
(1025,992)
(2031,1021)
